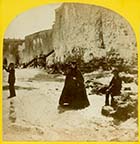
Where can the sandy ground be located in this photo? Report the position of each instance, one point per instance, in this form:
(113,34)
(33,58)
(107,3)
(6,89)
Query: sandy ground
(34,115)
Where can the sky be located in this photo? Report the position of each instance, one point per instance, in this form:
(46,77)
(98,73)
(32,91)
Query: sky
(31,21)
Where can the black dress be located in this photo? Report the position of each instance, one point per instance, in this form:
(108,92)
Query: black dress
(74,92)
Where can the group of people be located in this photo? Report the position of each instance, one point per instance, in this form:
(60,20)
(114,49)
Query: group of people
(74,92)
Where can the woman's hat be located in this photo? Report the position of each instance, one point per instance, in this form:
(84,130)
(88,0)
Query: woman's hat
(115,71)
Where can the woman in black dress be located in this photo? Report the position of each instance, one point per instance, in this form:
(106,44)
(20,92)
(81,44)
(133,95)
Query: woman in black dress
(74,92)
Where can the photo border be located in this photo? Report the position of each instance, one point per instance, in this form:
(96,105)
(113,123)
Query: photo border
(9,9)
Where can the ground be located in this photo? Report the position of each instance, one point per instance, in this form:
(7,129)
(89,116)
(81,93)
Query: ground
(34,115)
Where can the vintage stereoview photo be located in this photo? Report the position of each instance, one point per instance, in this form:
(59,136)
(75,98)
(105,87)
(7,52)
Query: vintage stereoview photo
(70,74)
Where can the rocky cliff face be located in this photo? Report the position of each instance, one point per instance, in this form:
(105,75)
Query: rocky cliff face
(80,31)
(38,43)
(91,31)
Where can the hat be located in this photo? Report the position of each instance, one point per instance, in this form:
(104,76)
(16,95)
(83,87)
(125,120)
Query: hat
(73,62)
(115,71)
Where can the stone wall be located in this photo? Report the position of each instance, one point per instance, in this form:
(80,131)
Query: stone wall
(91,31)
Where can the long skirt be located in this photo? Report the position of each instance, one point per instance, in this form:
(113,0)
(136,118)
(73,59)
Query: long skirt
(74,95)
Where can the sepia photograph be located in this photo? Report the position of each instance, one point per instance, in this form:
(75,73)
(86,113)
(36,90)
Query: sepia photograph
(70,73)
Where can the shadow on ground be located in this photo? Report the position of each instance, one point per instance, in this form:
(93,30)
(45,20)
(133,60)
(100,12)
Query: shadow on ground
(47,77)
(18,88)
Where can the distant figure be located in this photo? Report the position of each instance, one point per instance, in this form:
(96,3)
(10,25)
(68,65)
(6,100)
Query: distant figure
(114,88)
(41,60)
(44,62)
(35,62)
(11,79)
(74,92)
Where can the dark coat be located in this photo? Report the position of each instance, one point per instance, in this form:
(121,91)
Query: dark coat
(115,86)
(74,92)
(11,81)
(11,77)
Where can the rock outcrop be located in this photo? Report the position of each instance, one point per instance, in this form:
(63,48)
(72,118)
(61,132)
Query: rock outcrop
(125,105)
(37,44)
(89,31)
(83,32)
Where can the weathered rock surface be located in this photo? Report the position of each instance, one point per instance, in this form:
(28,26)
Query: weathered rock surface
(82,32)
(107,110)
(37,44)
(125,108)
(89,31)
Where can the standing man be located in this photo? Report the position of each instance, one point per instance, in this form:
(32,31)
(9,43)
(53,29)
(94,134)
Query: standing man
(114,88)
(11,79)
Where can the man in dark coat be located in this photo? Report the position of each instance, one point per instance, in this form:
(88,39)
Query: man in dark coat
(114,88)
(74,92)
(11,79)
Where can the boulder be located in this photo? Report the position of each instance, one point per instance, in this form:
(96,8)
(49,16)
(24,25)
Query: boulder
(127,79)
(126,107)
(127,88)
(107,110)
